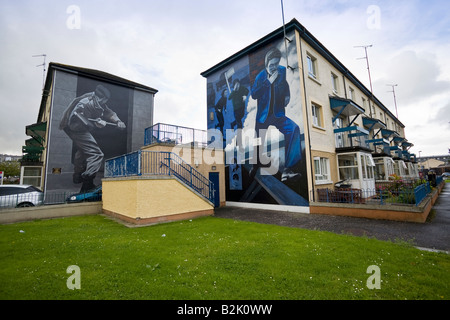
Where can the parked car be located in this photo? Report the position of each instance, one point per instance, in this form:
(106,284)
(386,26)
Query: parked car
(93,195)
(20,195)
(446,175)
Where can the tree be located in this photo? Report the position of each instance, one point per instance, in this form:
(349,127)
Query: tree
(10,168)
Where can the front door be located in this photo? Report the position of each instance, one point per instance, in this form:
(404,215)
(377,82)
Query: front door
(214,178)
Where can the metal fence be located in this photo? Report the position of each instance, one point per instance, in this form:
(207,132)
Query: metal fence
(380,196)
(142,163)
(48,198)
(176,135)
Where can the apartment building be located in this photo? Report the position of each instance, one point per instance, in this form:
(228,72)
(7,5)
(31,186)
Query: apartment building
(323,125)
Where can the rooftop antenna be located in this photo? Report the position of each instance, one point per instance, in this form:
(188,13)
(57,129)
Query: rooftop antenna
(285,37)
(42,65)
(395,100)
(368,70)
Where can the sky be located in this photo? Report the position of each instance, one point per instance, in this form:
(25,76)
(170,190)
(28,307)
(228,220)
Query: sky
(166,44)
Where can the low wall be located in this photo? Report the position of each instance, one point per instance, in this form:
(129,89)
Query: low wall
(396,212)
(147,200)
(49,211)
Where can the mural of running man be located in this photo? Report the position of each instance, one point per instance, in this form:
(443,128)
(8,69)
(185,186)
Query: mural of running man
(85,114)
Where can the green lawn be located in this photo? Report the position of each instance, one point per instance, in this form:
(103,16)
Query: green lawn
(209,258)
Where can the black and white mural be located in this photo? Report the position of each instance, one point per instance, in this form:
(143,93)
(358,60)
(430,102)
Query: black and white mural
(92,120)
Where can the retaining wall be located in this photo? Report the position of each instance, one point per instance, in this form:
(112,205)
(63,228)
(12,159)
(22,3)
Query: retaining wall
(14,215)
(396,212)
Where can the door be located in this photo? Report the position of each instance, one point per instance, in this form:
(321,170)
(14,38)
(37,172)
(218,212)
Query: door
(214,178)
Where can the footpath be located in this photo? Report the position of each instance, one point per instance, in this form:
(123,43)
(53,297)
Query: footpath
(431,235)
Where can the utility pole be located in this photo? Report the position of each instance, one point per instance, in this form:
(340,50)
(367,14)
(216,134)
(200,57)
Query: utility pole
(395,100)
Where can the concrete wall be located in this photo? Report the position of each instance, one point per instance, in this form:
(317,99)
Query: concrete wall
(140,117)
(49,212)
(151,199)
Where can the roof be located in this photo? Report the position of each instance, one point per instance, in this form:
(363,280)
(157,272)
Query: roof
(90,73)
(313,42)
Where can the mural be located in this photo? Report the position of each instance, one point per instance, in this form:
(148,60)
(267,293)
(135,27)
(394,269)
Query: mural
(92,127)
(255,102)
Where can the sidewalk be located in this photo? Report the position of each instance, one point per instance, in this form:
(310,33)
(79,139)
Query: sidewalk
(433,234)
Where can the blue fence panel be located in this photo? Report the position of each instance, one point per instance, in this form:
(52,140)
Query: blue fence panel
(133,164)
(125,165)
(421,192)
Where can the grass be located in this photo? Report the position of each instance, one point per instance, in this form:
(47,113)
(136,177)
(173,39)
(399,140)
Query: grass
(209,258)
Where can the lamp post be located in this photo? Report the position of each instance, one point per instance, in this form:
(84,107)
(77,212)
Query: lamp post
(420,160)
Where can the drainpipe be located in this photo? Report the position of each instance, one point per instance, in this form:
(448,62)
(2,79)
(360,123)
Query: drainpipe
(307,117)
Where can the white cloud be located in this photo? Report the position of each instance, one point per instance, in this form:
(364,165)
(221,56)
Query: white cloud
(167,44)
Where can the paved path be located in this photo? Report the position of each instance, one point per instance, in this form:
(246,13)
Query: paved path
(433,234)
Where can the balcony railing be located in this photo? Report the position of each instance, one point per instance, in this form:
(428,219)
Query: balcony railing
(176,135)
(351,137)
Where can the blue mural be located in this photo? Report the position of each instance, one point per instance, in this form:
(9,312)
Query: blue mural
(255,102)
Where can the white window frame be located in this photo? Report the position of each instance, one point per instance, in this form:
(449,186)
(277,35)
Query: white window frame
(312,66)
(354,167)
(334,83)
(351,93)
(35,180)
(317,118)
(367,166)
(322,171)
(339,137)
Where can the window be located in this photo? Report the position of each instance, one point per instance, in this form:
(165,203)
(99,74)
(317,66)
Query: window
(31,175)
(334,83)
(351,93)
(364,103)
(390,164)
(367,165)
(348,166)
(380,173)
(373,113)
(338,123)
(317,115)
(399,168)
(322,170)
(312,66)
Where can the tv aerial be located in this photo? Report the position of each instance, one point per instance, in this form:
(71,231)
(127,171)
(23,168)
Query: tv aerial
(42,65)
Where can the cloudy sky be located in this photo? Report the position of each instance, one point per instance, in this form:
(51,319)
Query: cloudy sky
(167,44)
